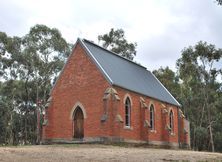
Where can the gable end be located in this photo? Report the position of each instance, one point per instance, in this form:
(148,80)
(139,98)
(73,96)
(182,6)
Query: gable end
(95,61)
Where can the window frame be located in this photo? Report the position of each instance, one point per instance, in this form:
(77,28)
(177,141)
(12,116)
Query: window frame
(127,111)
(152,117)
(171,121)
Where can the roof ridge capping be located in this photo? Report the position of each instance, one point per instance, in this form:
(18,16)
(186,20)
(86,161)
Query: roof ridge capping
(88,41)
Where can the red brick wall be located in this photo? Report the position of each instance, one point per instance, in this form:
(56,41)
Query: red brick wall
(81,81)
(137,123)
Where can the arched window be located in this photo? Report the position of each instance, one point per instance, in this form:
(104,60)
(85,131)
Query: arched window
(152,117)
(127,112)
(171,120)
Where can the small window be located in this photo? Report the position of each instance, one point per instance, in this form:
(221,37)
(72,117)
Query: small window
(171,121)
(152,117)
(127,112)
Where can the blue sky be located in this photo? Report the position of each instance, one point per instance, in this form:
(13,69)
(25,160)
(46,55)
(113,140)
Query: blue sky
(161,28)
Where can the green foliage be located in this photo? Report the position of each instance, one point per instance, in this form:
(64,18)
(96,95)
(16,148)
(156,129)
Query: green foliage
(169,79)
(197,87)
(218,141)
(201,134)
(116,42)
(3,124)
(28,66)
(201,91)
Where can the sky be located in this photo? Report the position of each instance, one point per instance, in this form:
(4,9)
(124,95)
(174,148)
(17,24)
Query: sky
(161,28)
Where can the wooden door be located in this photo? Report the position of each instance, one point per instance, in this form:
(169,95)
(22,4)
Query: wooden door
(78,124)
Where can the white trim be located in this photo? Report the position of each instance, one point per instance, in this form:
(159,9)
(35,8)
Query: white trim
(97,63)
(128,127)
(153,131)
(166,89)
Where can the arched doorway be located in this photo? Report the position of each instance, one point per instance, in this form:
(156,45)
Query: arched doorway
(78,121)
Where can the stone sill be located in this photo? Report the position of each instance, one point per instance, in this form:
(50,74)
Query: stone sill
(128,128)
(172,134)
(153,131)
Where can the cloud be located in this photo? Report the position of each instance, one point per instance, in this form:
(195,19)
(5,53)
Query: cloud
(190,23)
(12,18)
(161,28)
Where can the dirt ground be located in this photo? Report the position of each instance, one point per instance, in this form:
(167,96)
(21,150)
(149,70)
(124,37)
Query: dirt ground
(100,153)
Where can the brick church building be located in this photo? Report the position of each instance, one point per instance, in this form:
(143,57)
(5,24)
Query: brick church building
(103,97)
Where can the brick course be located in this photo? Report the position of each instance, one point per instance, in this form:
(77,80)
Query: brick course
(82,82)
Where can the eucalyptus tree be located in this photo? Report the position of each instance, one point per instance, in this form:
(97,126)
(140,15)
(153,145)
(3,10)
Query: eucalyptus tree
(198,70)
(9,47)
(170,80)
(28,67)
(115,41)
(43,56)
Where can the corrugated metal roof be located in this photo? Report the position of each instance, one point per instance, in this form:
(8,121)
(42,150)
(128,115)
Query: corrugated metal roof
(127,74)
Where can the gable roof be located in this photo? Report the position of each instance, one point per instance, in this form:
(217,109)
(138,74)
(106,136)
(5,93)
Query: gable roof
(124,73)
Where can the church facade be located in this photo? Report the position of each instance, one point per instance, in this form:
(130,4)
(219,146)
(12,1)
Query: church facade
(103,97)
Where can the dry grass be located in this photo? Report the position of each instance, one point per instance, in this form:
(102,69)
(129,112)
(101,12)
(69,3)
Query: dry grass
(100,153)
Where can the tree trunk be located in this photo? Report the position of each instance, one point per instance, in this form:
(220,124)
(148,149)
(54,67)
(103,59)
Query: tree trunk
(11,130)
(210,126)
(202,115)
(25,131)
(26,106)
(37,117)
(211,138)
(194,138)
(37,126)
